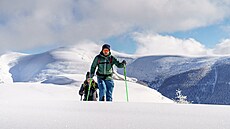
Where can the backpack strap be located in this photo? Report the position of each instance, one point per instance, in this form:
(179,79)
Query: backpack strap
(110,59)
(84,84)
(98,59)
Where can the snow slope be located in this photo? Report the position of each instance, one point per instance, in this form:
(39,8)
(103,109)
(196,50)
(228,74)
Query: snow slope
(48,106)
(74,115)
(36,92)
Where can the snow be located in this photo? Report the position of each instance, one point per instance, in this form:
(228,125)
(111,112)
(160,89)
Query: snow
(137,93)
(48,106)
(59,80)
(5,65)
(41,106)
(70,114)
(38,91)
(35,92)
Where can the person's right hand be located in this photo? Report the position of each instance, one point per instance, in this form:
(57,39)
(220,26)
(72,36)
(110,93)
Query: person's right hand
(124,62)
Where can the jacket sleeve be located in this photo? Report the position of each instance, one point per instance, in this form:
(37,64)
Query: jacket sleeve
(93,67)
(95,85)
(81,91)
(117,63)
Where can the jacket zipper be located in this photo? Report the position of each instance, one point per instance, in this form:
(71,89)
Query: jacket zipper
(105,67)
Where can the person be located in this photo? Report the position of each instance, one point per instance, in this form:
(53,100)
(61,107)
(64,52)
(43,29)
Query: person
(93,89)
(104,63)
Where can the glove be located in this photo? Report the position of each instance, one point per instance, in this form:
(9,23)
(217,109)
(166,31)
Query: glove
(81,93)
(124,62)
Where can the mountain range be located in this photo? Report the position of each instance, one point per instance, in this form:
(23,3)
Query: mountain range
(204,80)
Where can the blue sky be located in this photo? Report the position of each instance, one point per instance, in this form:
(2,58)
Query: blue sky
(208,35)
(131,26)
(123,43)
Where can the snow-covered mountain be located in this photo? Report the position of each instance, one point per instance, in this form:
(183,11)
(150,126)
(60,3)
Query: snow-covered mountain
(202,79)
(51,65)
(56,66)
(68,66)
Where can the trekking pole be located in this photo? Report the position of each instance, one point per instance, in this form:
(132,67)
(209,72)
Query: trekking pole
(127,93)
(90,82)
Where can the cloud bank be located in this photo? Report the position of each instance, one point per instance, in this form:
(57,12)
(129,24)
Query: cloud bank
(155,44)
(27,24)
(222,48)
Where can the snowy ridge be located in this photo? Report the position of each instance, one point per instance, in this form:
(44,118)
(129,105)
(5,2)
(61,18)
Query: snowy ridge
(201,79)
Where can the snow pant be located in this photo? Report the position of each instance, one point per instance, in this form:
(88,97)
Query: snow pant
(105,89)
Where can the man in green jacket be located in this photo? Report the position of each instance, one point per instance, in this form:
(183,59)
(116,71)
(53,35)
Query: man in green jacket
(104,63)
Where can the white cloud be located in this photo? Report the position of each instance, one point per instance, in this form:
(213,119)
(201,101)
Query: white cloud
(160,16)
(222,48)
(154,44)
(27,24)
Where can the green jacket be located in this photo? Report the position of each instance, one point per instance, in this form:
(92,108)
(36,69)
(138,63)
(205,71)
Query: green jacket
(104,65)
